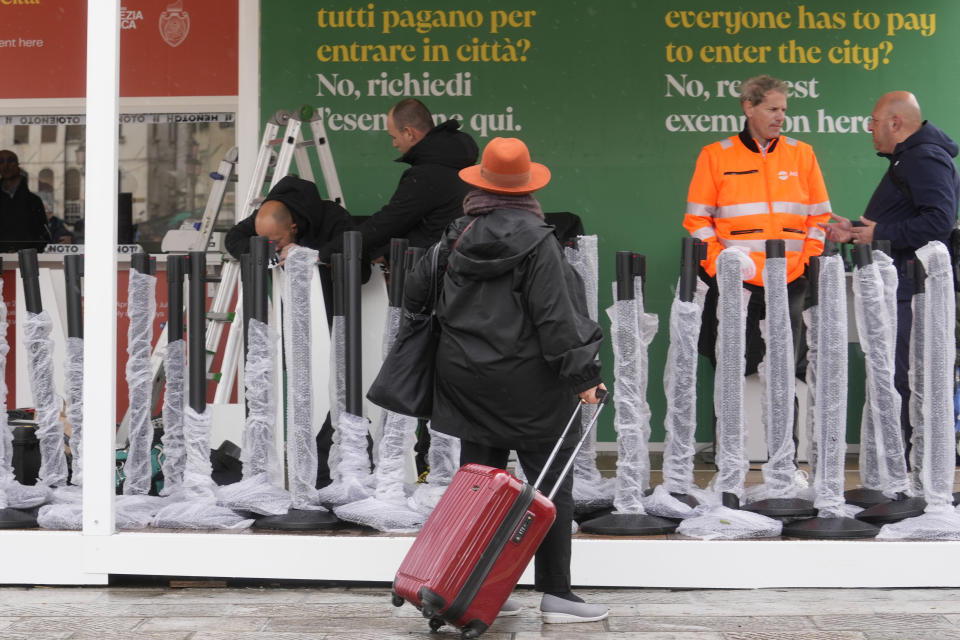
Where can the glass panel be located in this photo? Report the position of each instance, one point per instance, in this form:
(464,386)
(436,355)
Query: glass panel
(165,164)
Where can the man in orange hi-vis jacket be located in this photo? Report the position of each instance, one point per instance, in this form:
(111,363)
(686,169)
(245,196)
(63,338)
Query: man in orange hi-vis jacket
(752,187)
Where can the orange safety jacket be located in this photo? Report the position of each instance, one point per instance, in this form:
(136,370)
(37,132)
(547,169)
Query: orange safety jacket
(742,195)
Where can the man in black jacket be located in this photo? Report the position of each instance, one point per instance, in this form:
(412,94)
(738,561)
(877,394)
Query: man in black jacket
(23,219)
(430,194)
(292,214)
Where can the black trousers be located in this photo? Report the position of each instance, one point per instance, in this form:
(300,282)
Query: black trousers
(552,561)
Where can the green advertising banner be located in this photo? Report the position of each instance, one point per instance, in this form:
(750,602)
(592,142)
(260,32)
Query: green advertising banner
(616,98)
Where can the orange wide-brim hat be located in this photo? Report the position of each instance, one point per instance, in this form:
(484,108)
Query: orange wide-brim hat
(506,168)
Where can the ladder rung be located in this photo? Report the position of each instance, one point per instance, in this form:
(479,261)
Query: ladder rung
(221,317)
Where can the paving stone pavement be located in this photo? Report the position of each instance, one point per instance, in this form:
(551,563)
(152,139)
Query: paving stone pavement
(282,612)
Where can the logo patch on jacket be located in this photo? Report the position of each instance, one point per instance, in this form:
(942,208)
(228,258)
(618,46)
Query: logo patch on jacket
(784,175)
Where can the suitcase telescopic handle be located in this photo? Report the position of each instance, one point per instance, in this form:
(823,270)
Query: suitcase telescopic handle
(604,396)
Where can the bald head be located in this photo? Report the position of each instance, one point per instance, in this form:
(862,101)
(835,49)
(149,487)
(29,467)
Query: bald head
(275,222)
(895,118)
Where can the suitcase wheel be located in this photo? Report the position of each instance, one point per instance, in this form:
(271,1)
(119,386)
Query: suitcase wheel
(436,623)
(396,600)
(474,629)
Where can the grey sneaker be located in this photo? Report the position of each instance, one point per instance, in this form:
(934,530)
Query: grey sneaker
(510,608)
(558,611)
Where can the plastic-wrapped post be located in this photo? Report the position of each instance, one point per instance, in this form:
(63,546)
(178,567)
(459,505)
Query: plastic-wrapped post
(692,251)
(398,250)
(876,315)
(624,275)
(176,266)
(680,377)
(72,273)
(144,263)
(352,247)
(174,459)
(827,378)
(776,497)
(197,331)
(259,259)
(30,274)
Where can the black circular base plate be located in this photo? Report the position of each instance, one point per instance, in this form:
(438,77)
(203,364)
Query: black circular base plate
(893,511)
(782,508)
(300,520)
(829,529)
(865,498)
(629,524)
(18,519)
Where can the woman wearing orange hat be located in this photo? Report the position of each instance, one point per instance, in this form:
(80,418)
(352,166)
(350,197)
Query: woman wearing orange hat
(517,345)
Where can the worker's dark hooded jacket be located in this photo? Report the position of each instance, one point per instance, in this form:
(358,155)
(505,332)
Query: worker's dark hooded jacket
(429,196)
(517,344)
(317,220)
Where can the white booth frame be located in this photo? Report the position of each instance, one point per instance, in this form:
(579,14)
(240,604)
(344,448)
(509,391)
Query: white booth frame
(90,556)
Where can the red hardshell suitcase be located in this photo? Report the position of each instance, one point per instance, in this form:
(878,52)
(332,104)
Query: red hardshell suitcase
(476,543)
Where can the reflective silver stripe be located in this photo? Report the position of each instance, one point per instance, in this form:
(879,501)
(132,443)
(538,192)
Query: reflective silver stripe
(745,209)
(697,209)
(760,246)
(795,208)
(750,245)
(816,233)
(790,141)
(704,233)
(820,208)
(726,143)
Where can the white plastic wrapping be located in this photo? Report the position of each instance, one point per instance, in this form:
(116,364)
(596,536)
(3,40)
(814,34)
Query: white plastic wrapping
(141,309)
(916,381)
(661,503)
(338,390)
(591,491)
(937,316)
(811,321)
(258,453)
(300,269)
(878,342)
(939,355)
(632,331)
(732,463)
(830,388)
(722,523)
(352,479)
(132,512)
(12,493)
(584,260)
(73,386)
(174,448)
(255,494)
(195,507)
(443,459)
(680,388)
(261,489)
(39,347)
(388,509)
(778,373)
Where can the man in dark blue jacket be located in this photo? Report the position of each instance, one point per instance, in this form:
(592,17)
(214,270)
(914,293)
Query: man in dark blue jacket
(915,202)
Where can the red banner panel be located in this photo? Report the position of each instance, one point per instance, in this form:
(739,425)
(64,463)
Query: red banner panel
(182,48)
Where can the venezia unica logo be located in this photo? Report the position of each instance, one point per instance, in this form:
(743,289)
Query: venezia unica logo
(174,24)
(129,18)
